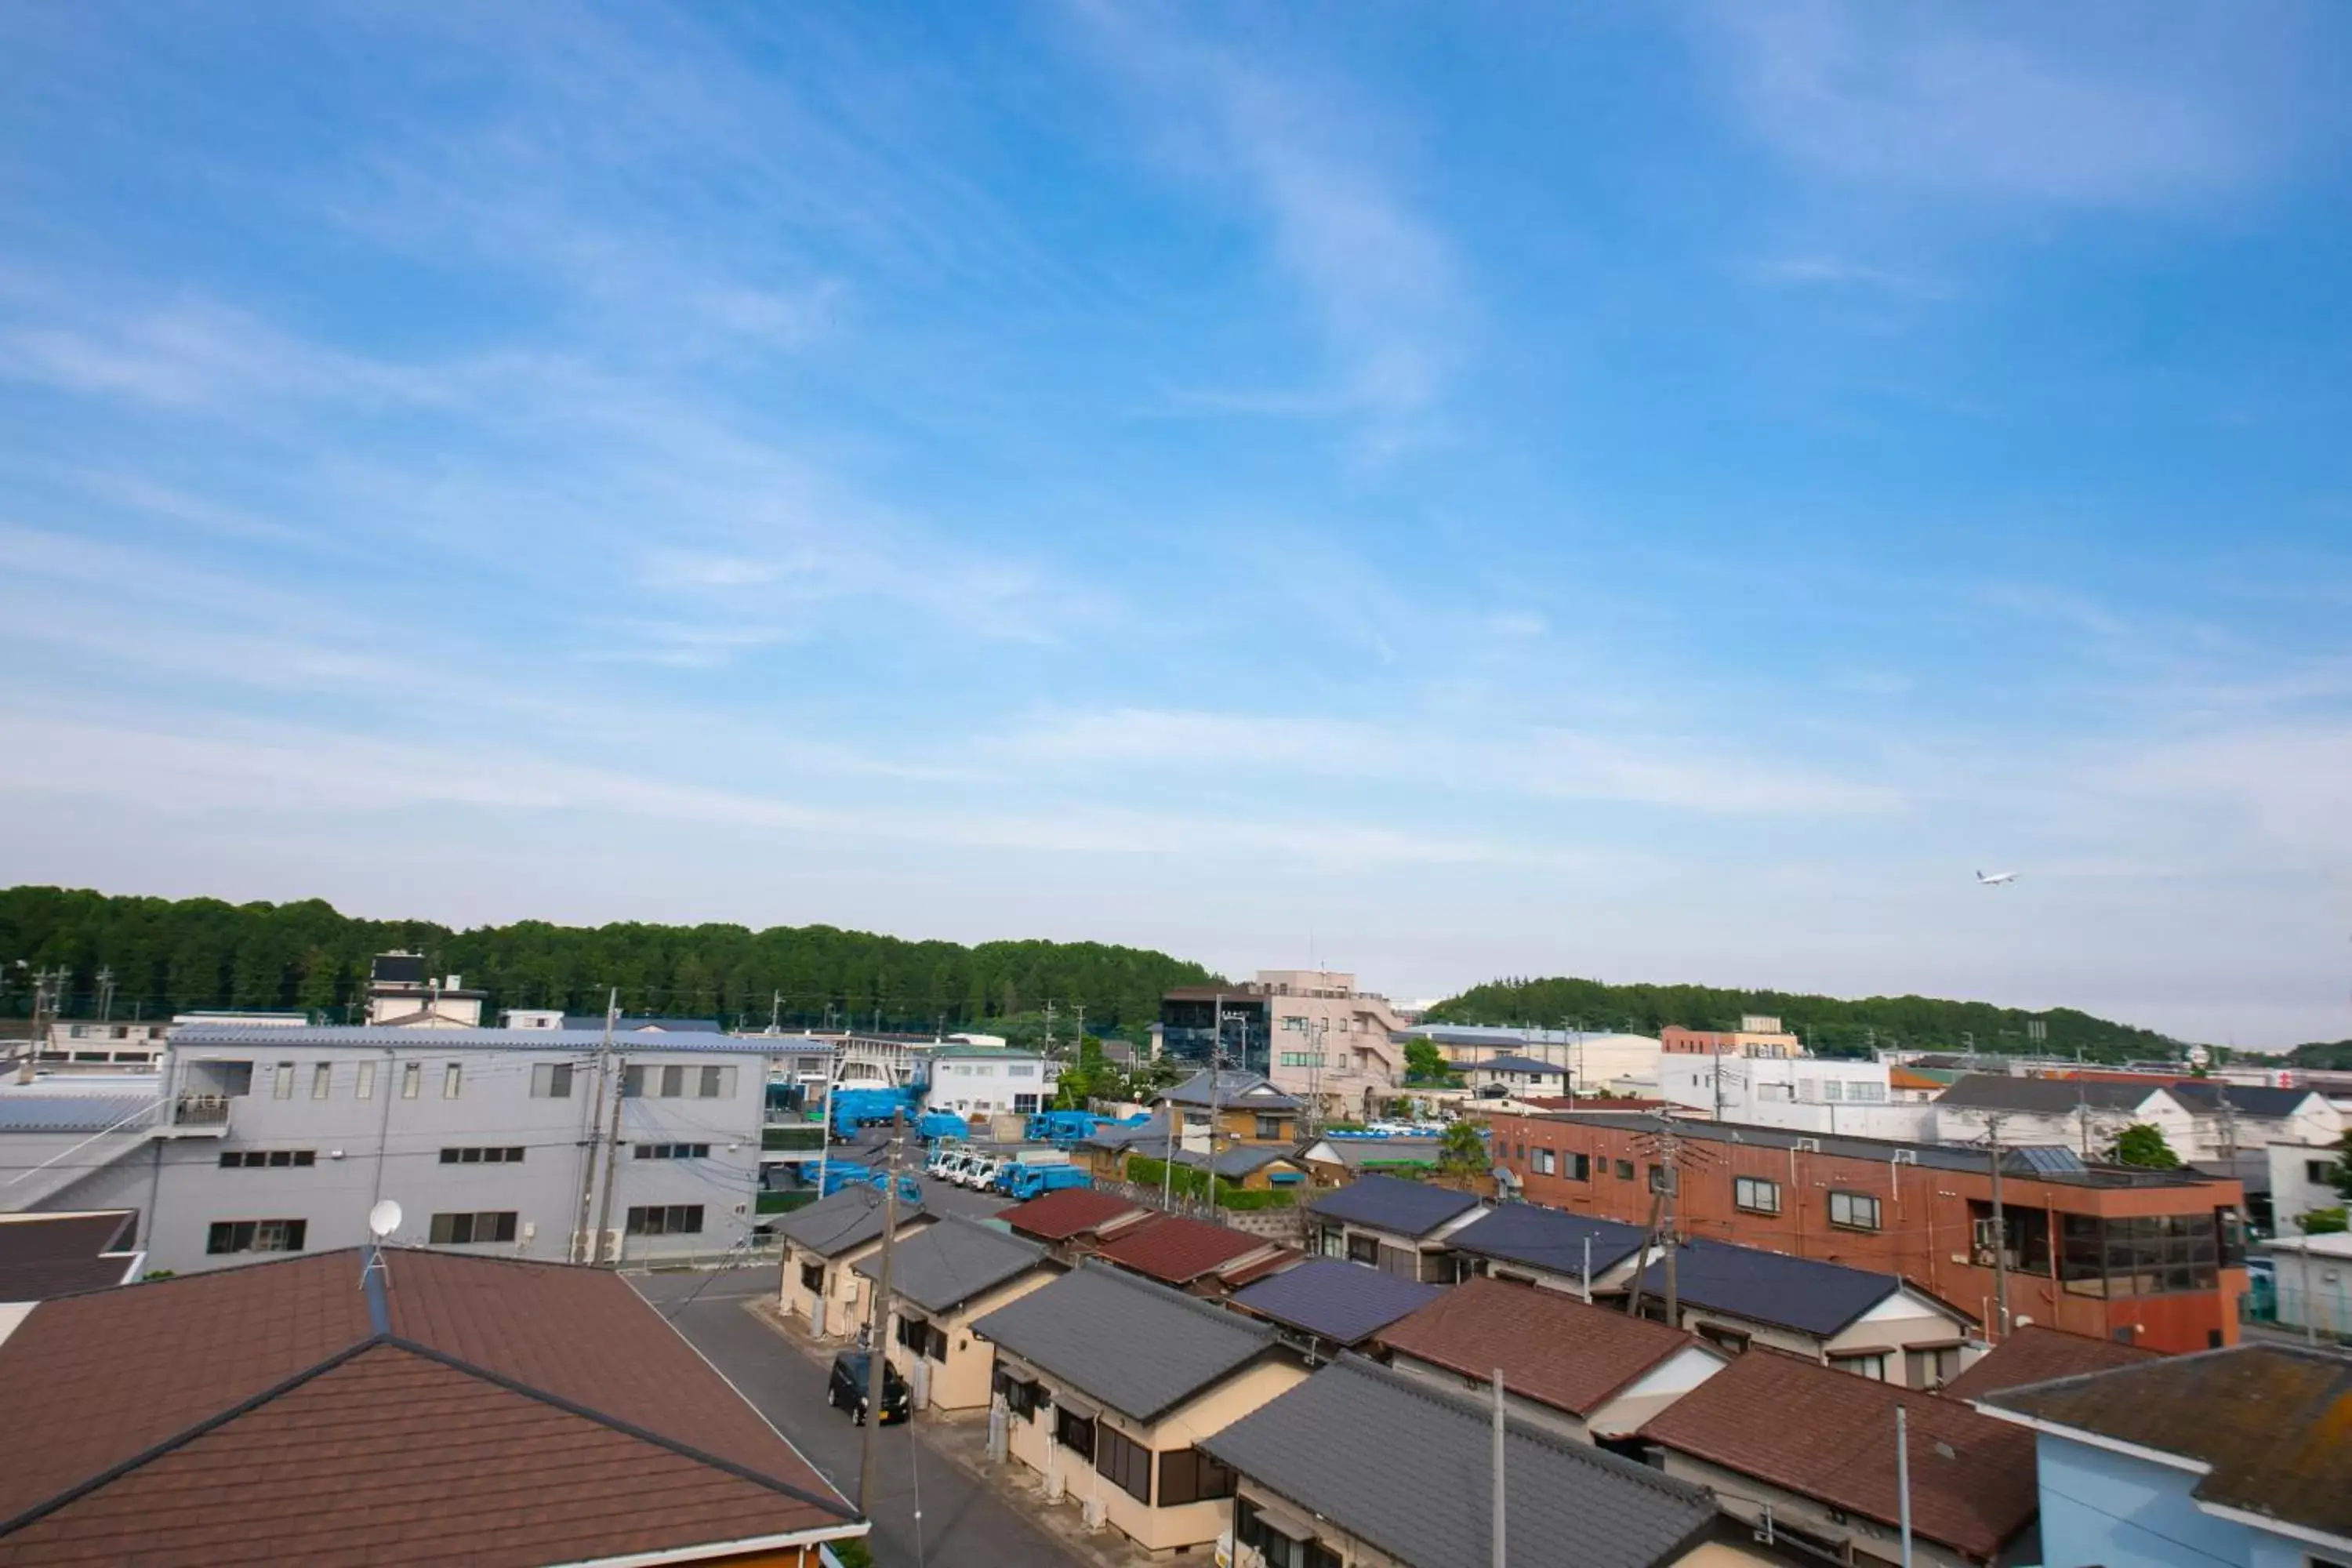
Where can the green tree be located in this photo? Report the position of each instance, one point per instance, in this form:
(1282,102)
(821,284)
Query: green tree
(1461,1152)
(2143,1144)
(1423,1062)
(2339,1174)
(2323,1222)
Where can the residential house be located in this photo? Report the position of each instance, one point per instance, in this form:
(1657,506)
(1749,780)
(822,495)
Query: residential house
(2035,1353)
(824,1244)
(941,1279)
(401,995)
(48,1254)
(1359,1466)
(638,1024)
(1594,1061)
(2082,1114)
(2236,1456)
(2231,1116)
(991,1080)
(2309,1282)
(424,1408)
(1807,1456)
(1587,1373)
(1532,1245)
(1074,1221)
(1104,1151)
(1909,1085)
(1324,1306)
(1514,1076)
(1242,1107)
(1194,1255)
(1760,1036)
(1334,1161)
(1111,1385)
(2155,1256)
(2302,1177)
(1398,1226)
(1806,1094)
(78,1046)
(1854,1319)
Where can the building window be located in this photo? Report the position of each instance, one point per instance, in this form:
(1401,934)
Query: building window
(673,1082)
(1930,1368)
(1075,1432)
(323,1081)
(1188,1475)
(511,1154)
(813,1279)
(412,1078)
(255,1236)
(712,1078)
(1544,1163)
(1269,1128)
(679,1082)
(1663,1178)
(1364,1249)
(673,1151)
(1024,1104)
(1125,1463)
(1756,1194)
(1624,1170)
(1576,1167)
(279,1158)
(1728,1340)
(550,1080)
(453,1077)
(1021,1394)
(1279,1549)
(2319,1172)
(672,1219)
(1873,1367)
(472,1229)
(282,1086)
(1853,1211)
(365,1088)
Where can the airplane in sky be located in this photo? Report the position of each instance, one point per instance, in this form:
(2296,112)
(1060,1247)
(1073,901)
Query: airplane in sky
(1998,879)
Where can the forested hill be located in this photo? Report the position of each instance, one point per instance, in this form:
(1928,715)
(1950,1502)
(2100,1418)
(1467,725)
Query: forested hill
(167,956)
(1831,1025)
(2335,1055)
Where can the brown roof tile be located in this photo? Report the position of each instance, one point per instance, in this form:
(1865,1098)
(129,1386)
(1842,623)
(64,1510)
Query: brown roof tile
(46,1255)
(1830,1436)
(432,1444)
(1552,1348)
(1057,1217)
(1176,1250)
(2035,1353)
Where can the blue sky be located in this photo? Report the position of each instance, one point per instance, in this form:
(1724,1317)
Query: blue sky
(1651,491)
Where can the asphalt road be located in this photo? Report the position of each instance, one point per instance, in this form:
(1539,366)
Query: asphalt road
(964,1525)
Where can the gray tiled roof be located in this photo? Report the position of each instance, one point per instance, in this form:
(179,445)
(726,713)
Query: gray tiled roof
(2050,1096)
(1514,1063)
(843,1222)
(560,1042)
(948,1264)
(1800,1293)
(1394,1205)
(2246,1099)
(1138,1347)
(1333,1445)
(1240,1090)
(595,1023)
(1342,1302)
(1549,1238)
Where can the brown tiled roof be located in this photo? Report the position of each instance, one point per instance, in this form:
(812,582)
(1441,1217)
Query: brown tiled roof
(2037,1354)
(1057,1217)
(2273,1422)
(1284,1258)
(1552,1348)
(46,1255)
(1830,1436)
(436,1438)
(1177,1250)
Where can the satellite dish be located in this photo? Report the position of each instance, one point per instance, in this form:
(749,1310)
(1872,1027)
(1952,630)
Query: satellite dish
(384,1218)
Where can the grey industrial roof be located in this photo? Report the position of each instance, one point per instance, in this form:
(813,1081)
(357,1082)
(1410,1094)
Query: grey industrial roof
(596,1022)
(1139,1348)
(1548,1238)
(1358,1152)
(1241,1090)
(564,1042)
(1240,1159)
(69,1113)
(2050,1096)
(1800,1293)
(945,1265)
(2204,1096)
(1394,1205)
(1114,1135)
(844,1222)
(1342,1302)
(1406,1468)
(1516,1064)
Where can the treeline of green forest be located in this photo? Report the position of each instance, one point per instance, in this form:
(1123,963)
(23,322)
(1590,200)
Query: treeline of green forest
(168,955)
(1831,1025)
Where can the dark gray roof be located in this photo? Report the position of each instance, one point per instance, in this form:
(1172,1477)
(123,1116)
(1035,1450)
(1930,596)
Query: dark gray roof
(1516,1064)
(1405,1467)
(1241,1160)
(1799,1293)
(1394,1205)
(843,1222)
(595,1021)
(1138,1347)
(1548,1238)
(1342,1302)
(2204,1096)
(2050,1096)
(1241,1090)
(425,1041)
(945,1265)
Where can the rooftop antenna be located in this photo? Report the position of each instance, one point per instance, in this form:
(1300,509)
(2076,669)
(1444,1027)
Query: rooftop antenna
(383,1220)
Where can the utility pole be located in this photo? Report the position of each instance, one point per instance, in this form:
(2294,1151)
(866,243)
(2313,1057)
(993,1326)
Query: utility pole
(1670,1173)
(878,1353)
(613,1146)
(105,995)
(775,1012)
(1216,1104)
(585,1249)
(1499,1556)
(1641,1263)
(1078,1051)
(1049,1025)
(1903,1478)
(2000,1237)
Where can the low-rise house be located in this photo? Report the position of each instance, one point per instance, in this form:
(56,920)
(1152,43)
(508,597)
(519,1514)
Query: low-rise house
(2309,1282)
(1250,1167)
(1111,1385)
(2082,1114)
(2235,1456)
(824,1244)
(1360,1466)
(1515,1076)
(1807,1456)
(2301,1178)
(1335,1161)
(2231,1116)
(1075,1221)
(941,1281)
(1193,1256)
(1324,1306)
(1398,1227)
(1104,1151)
(1586,1372)
(1244,1107)
(435,1409)
(46,1255)
(1560,1251)
(991,1080)
(2036,1353)
(1855,1319)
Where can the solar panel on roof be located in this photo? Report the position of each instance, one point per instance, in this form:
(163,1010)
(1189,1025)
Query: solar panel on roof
(2048,1158)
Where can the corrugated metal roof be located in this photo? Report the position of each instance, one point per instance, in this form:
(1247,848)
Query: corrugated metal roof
(1548,1238)
(954,1261)
(1139,1348)
(69,1113)
(2048,1095)
(846,1221)
(1770,1286)
(565,1041)
(1342,1302)
(1394,1205)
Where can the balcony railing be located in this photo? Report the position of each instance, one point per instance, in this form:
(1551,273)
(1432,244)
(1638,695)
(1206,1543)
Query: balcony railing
(201,1111)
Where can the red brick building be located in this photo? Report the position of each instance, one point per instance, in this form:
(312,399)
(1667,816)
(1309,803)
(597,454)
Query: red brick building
(2150,1258)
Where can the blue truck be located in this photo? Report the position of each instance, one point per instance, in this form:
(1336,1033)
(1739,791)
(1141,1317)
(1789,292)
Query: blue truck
(841,1175)
(851,1108)
(1060,1126)
(1023,1182)
(936,1126)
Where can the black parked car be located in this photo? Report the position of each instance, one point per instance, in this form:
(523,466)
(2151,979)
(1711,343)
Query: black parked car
(845,1389)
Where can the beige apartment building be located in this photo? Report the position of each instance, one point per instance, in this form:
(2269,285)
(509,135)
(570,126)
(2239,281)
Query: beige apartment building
(1309,1031)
